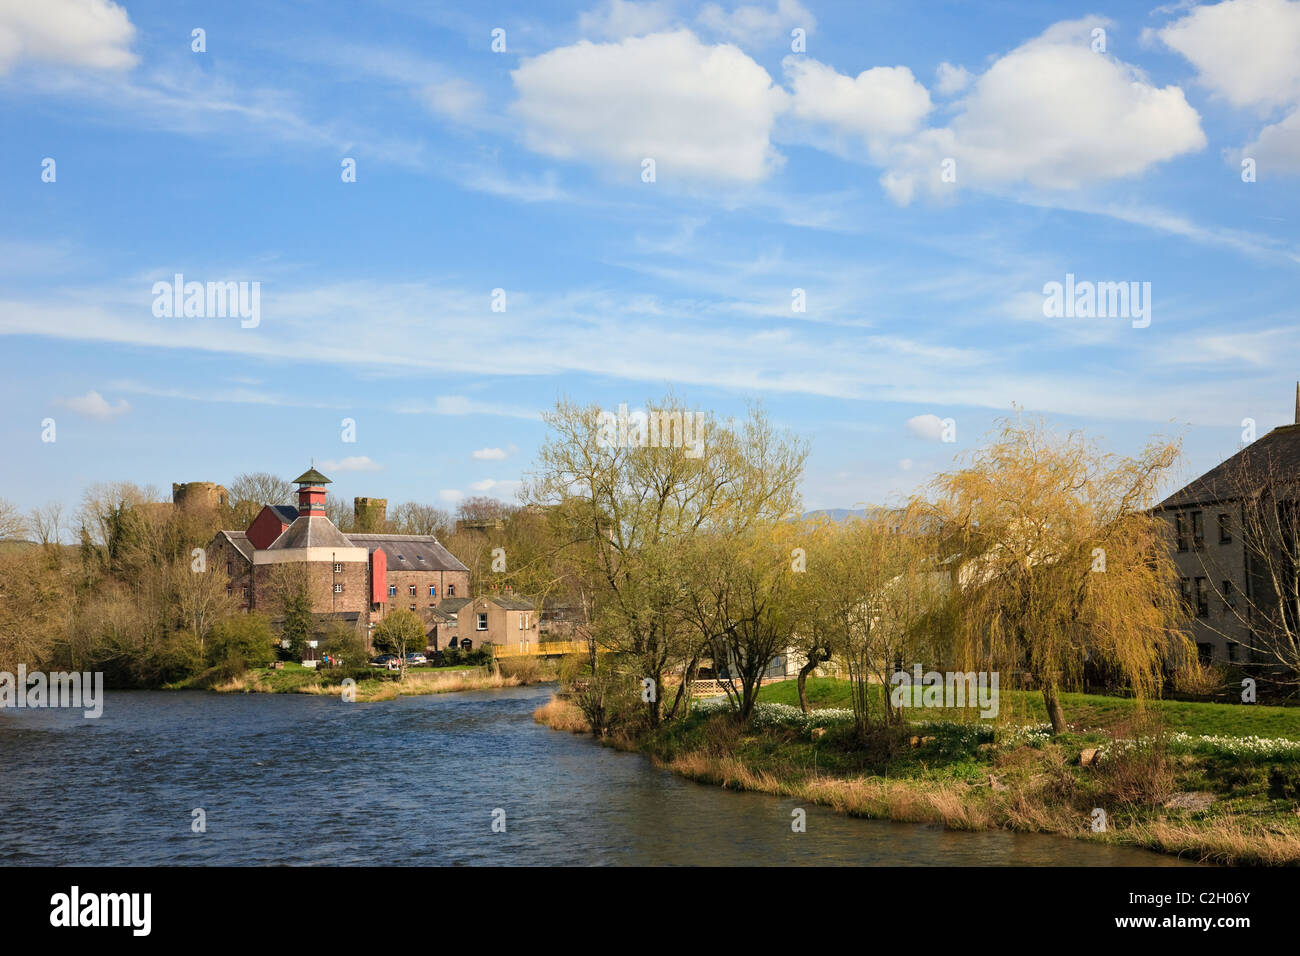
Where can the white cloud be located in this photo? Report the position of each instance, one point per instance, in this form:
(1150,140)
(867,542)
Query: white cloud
(616,19)
(450,495)
(752,24)
(80,33)
(1053,114)
(460,405)
(949,79)
(905,464)
(455,98)
(1247,51)
(701,112)
(929,427)
(353,463)
(880,103)
(93,405)
(490,454)
(1278,147)
(506,487)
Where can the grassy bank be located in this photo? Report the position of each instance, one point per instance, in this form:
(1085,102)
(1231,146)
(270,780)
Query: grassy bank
(371,685)
(1197,783)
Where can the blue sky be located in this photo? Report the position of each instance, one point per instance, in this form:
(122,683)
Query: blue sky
(522,170)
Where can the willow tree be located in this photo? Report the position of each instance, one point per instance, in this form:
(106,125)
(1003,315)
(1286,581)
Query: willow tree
(630,500)
(871,585)
(1056,560)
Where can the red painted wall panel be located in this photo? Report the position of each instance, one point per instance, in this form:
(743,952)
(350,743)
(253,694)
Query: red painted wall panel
(266,527)
(378,577)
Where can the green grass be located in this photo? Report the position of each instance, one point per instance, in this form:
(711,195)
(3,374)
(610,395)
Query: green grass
(1085,712)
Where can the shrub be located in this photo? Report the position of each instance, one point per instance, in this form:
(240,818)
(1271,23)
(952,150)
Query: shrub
(527,669)
(1137,770)
(243,637)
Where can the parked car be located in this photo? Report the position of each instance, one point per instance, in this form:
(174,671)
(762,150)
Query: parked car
(415,658)
(391,661)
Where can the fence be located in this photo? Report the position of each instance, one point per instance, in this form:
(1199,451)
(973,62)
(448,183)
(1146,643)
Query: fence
(540,649)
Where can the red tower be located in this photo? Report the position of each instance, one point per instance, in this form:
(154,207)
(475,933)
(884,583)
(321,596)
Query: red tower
(311,493)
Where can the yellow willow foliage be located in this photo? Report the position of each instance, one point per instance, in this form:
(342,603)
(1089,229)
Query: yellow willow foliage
(1054,559)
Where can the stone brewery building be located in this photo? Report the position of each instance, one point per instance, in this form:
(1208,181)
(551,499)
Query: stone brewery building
(1235,537)
(356,578)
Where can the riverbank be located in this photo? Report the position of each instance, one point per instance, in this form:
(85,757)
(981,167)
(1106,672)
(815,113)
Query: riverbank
(373,685)
(1213,798)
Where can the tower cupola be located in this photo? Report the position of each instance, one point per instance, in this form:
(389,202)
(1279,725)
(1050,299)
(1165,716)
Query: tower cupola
(311,493)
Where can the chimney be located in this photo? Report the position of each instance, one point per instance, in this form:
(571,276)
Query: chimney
(1297,403)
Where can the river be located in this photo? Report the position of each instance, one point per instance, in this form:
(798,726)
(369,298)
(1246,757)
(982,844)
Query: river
(302,780)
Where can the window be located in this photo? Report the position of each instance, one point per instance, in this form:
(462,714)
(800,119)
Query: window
(1225,528)
(412,607)
(1185,589)
(433,590)
(338,568)
(451,590)
(1229,594)
(244,589)
(1180,529)
(229,590)
(338,589)
(412,589)
(1202,598)
(392,590)
(482,622)
(1198,530)
(230,567)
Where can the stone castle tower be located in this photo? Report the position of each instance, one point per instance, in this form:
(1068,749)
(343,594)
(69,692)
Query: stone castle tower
(198,495)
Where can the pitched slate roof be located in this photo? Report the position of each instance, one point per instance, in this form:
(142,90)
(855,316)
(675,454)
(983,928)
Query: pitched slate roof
(450,606)
(287,513)
(409,552)
(239,540)
(315,531)
(509,602)
(1273,457)
(312,477)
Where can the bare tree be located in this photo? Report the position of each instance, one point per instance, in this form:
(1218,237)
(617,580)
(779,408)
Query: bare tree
(12,524)
(47,523)
(413,518)
(252,491)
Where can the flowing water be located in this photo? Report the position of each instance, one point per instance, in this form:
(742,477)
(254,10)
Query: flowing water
(297,779)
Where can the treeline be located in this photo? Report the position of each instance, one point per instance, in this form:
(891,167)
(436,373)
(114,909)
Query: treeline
(1034,556)
(115,586)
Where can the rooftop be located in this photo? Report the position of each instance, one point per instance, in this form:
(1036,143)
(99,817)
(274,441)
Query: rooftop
(409,552)
(1275,456)
(312,477)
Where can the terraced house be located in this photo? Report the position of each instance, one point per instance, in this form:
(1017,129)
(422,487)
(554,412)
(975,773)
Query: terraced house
(357,578)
